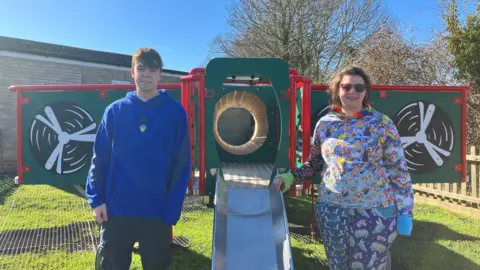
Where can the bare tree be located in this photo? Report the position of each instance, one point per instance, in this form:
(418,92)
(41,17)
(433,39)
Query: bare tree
(390,58)
(313,36)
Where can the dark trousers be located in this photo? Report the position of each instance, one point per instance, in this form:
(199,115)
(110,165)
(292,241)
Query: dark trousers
(119,234)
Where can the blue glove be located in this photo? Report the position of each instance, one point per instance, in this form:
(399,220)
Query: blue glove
(404,225)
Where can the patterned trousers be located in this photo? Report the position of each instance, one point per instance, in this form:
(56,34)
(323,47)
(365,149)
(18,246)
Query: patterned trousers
(356,239)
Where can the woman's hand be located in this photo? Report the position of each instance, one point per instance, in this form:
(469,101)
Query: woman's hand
(282,182)
(278,183)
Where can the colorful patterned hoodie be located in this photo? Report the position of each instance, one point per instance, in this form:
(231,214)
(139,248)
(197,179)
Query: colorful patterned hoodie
(361,160)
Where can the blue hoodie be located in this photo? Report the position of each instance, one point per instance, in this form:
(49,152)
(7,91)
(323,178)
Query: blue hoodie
(141,159)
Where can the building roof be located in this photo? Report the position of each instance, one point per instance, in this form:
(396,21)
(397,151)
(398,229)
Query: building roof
(71,53)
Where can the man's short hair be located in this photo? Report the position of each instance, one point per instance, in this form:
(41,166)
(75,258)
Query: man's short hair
(148,57)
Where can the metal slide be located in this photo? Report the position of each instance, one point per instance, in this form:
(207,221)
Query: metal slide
(250,225)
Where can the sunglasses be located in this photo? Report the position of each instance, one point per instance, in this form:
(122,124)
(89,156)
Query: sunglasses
(359,88)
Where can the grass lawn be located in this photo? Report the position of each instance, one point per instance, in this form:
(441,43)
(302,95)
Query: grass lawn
(44,227)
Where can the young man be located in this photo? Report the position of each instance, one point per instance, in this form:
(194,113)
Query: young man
(140,170)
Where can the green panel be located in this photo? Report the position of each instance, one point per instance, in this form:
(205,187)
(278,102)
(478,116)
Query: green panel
(211,157)
(446,114)
(210,184)
(299,128)
(197,149)
(74,110)
(422,167)
(319,107)
(216,154)
(274,70)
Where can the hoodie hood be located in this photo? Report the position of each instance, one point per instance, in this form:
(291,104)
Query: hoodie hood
(161,97)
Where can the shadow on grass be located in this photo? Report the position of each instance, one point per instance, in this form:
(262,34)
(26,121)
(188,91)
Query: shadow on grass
(430,231)
(311,262)
(299,218)
(73,237)
(421,251)
(184,258)
(7,187)
(407,254)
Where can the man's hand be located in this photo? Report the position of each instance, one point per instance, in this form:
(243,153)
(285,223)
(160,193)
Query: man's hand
(100,213)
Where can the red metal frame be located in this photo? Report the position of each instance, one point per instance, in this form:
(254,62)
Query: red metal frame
(464,90)
(296,82)
(203,149)
(186,103)
(19,138)
(197,76)
(306,121)
(306,118)
(292,153)
(21,167)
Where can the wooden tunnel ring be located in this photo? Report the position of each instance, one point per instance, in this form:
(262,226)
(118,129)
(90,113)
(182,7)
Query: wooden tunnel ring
(257,109)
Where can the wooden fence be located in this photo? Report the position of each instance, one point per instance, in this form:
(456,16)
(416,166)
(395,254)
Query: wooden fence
(2,166)
(464,193)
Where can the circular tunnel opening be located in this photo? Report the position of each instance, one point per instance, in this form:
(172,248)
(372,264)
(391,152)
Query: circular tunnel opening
(240,124)
(236,126)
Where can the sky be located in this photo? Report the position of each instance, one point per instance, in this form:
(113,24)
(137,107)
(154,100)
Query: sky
(179,29)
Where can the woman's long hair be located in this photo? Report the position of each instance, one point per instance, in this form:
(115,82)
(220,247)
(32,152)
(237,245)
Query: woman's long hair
(335,84)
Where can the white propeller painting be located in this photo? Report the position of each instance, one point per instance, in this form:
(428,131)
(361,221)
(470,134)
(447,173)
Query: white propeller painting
(430,128)
(65,153)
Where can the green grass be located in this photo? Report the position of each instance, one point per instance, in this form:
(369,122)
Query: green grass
(49,260)
(195,257)
(35,207)
(441,239)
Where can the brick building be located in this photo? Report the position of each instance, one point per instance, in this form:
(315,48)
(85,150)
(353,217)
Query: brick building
(24,62)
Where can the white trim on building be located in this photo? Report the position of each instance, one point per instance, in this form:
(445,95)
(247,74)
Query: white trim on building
(70,62)
(120,82)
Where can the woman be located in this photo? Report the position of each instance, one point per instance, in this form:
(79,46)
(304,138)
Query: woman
(365,198)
